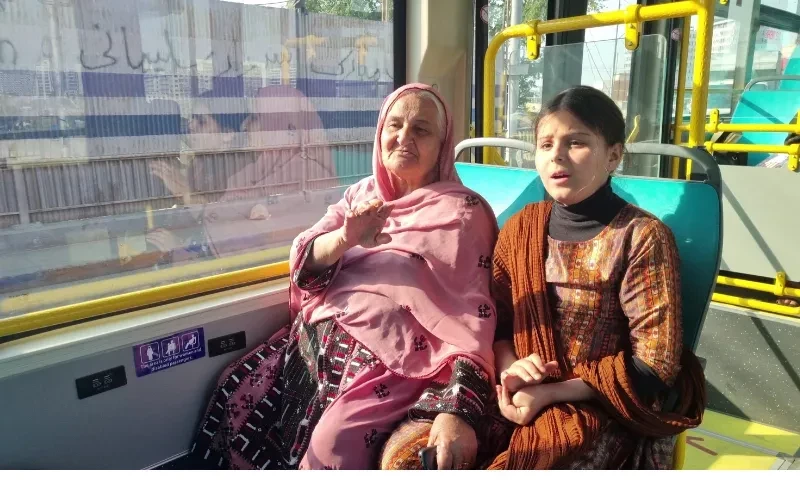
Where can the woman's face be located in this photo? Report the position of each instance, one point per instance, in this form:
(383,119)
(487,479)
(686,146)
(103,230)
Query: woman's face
(573,160)
(205,132)
(411,140)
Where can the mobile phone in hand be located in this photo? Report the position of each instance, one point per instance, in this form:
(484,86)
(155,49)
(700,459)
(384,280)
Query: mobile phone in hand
(427,457)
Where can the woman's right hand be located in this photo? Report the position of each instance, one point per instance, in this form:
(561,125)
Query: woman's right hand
(363,225)
(531,370)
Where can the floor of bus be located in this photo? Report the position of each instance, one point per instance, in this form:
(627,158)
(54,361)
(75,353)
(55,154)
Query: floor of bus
(721,442)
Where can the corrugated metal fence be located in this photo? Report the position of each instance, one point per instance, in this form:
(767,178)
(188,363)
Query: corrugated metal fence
(114,186)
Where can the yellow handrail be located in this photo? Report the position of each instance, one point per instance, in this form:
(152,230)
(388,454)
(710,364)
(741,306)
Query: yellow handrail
(139,299)
(137,296)
(756,305)
(633,16)
(714,126)
(753,127)
(752,148)
(792,150)
(779,288)
(140,280)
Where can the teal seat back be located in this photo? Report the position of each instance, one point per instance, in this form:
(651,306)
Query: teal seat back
(506,189)
(766,107)
(691,210)
(792,68)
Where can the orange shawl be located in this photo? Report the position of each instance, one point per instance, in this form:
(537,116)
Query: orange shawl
(563,431)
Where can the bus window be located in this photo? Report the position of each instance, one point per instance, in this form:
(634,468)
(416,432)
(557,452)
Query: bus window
(144,143)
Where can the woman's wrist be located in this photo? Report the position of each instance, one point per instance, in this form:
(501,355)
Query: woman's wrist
(326,250)
(341,244)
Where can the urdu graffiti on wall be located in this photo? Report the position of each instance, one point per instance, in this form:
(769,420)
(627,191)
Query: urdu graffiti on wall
(112,41)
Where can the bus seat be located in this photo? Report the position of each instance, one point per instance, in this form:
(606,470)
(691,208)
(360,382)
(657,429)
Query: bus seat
(764,107)
(792,66)
(518,187)
(691,209)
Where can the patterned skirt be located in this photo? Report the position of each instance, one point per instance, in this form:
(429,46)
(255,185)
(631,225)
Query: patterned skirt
(318,379)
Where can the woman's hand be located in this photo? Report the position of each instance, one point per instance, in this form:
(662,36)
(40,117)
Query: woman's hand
(523,406)
(363,225)
(455,440)
(174,178)
(530,370)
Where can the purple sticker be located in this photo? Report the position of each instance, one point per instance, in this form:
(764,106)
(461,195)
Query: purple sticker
(167,352)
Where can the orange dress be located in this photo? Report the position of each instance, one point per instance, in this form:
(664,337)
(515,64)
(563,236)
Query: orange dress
(615,295)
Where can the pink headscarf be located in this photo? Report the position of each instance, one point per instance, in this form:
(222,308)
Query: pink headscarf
(447,159)
(423,298)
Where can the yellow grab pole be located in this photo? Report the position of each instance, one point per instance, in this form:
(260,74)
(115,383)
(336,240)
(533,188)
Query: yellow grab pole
(617,17)
(522,30)
(682,67)
(686,31)
(679,454)
(702,63)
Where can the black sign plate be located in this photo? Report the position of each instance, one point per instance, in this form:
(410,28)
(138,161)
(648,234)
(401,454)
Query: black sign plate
(226,343)
(101,382)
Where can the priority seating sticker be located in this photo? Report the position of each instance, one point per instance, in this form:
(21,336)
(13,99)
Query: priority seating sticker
(168,352)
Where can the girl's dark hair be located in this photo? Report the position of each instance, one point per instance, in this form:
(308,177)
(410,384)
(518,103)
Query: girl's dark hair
(593,108)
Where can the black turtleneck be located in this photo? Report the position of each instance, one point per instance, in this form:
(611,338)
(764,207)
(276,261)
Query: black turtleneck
(581,222)
(584,220)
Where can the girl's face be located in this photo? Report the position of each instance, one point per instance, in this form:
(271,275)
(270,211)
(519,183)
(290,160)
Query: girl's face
(573,160)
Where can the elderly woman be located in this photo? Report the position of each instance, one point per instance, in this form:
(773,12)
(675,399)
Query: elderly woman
(392,317)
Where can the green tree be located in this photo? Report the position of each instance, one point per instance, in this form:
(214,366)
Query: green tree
(364,9)
(500,12)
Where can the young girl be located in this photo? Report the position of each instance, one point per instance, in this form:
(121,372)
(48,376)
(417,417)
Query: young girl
(589,348)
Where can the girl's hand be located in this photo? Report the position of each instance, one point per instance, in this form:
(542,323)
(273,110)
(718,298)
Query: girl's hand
(530,370)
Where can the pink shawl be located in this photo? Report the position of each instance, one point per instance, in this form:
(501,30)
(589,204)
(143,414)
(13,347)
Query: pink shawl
(423,299)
